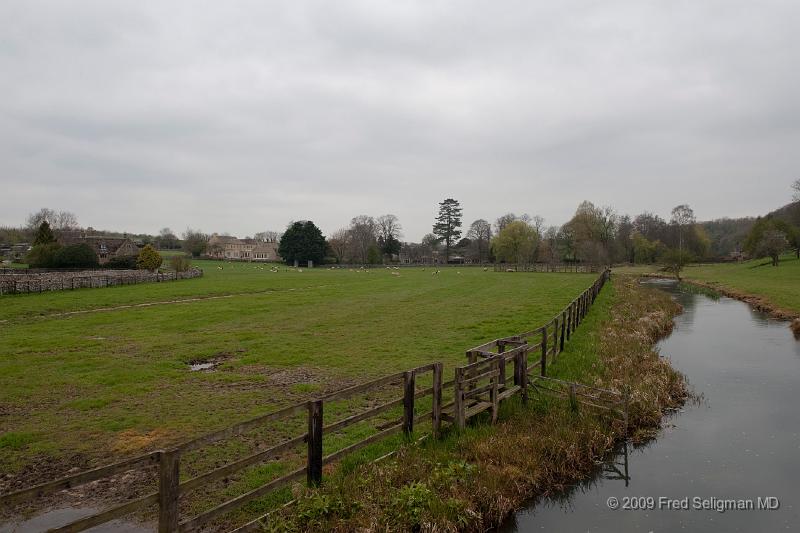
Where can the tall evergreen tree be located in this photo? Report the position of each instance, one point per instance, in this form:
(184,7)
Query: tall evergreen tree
(43,235)
(302,241)
(448,225)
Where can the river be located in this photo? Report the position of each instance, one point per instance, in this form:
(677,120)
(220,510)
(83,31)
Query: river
(738,443)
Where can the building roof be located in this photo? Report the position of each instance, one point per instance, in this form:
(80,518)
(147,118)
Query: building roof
(223,239)
(99,244)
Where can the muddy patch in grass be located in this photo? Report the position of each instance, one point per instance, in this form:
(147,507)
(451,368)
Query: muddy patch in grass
(209,364)
(288,383)
(101,493)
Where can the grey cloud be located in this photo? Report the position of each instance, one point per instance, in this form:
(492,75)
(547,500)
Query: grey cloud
(242,116)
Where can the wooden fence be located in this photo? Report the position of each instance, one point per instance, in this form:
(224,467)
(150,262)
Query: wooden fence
(479,386)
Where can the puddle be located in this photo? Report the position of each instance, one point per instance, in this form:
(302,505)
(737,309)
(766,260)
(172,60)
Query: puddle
(197,367)
(210,363)
(61,517)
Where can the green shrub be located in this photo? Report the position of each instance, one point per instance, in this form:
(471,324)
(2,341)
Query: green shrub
(125,262)
(179,263)
(149,259)
(43,255)
(76,256)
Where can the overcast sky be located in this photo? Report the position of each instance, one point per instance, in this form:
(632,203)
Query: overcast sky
(241,116)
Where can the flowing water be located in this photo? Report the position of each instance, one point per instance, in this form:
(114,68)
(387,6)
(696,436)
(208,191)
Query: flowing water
(739,443)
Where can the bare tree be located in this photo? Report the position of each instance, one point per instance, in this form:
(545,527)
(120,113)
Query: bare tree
(796,187)
(537,222)
(508,218)
(389,227)
(364,235)
(340,242)
(195,242)
(58,220)
(480,233)
(682,215)
(267,236)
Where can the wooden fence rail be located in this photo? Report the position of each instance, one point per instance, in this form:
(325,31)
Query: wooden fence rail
(479,386)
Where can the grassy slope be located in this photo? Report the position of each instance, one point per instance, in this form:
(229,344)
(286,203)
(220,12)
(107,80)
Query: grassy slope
(97,384)
(779,285)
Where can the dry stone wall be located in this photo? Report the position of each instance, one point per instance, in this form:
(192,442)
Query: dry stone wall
(21,282)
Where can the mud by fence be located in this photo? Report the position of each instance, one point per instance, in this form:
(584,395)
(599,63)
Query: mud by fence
(22,282)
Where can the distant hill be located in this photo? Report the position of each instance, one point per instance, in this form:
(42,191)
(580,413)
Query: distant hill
(728,234)
(790,213)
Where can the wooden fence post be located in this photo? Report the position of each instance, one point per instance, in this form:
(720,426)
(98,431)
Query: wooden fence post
(314,465)
(501,347)
(436,415)
(458,405)
(168,490)
(493,394)
(544,351)
(563,329)
(521,367)
(569,320)
(409,389)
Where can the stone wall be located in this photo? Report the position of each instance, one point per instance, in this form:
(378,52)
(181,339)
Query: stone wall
(21,282)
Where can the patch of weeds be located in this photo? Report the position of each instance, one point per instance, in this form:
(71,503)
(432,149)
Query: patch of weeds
(305,388)
(453,510)
(444,475)
(87,404)
(15,440)
(409,504)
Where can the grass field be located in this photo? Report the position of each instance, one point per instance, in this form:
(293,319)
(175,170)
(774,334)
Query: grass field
(779,285)
(110,380)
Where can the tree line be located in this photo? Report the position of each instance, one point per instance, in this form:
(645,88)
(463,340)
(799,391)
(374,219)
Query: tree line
(594,234)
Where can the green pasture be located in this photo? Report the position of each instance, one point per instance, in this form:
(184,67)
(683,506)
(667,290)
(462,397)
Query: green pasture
(107,380)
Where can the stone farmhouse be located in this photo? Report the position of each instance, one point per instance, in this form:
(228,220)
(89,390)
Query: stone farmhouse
(233,249)
(106,248)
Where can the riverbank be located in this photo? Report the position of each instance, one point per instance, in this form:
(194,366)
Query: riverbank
(471,481)
(772,290)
